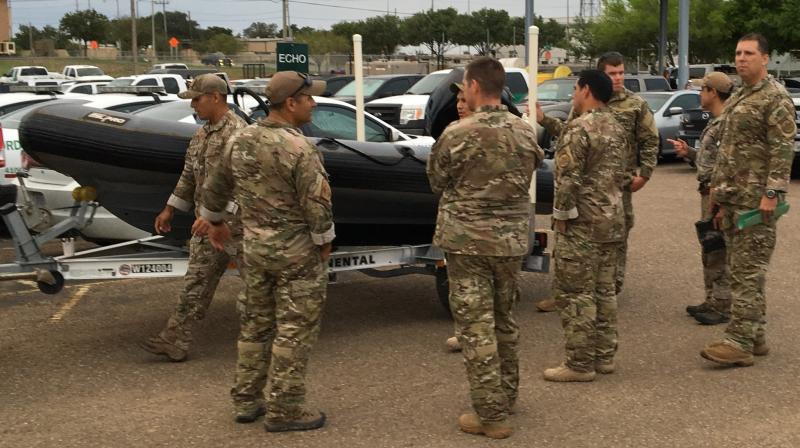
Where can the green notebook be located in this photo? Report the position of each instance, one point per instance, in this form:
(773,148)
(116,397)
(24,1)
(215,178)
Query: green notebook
(753,217)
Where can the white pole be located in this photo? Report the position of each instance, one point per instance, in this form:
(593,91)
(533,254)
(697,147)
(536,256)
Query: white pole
(533,70)
(358,71)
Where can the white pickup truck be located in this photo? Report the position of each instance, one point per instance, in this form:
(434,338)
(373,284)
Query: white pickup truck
(85,73)
(173,84)
(32,75)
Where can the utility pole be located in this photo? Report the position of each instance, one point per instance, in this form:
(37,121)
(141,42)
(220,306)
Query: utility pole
(77,5)
(89,2)
(30,37)
(118,9)
(163,4)
(528,24)
(134,46)
(285,19)
(153,28)
(683,43)
(662,33)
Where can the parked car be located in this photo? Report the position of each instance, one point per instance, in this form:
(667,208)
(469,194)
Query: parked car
(169,65)
(51,191)
(217,59)
(335,83)
(555,96)
(668,108)
(172,84)
(378,86)
(693,122)
(85,73)
(84,87)
(407,112)
(698,71)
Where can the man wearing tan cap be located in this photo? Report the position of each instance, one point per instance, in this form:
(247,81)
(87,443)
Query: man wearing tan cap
(276,176)
(716,88)
(206,265)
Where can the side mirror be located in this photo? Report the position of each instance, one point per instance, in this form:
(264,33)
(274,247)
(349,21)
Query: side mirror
(392,134)
(673,111)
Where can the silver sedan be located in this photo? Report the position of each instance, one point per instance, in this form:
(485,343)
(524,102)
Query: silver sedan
(668,107)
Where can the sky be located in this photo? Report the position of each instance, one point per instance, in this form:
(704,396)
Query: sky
(238,14)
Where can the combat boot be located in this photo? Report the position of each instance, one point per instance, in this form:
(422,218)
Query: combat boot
(471,424)
(250,415)
(726,354)
(452,344)
(564,374)
(157,345)
(695,309)
(547,305)
(760,347)
(711,317)
(605,367)
(306,421)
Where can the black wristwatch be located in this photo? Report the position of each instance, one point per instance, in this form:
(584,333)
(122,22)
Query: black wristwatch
(771,194)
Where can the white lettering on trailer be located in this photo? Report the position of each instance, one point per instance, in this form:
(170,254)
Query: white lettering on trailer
(343,262)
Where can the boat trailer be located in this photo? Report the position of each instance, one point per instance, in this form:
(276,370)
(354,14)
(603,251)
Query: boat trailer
(159,257)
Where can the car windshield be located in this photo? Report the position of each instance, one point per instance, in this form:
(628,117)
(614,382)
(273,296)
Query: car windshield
(655,101)
(370,86)
(172,111)
(426,85)
(33,71)
(560,90)
(11,121)
(92,71)
(121,82)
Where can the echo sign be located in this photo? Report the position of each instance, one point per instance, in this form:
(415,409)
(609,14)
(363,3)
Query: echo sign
(292,56)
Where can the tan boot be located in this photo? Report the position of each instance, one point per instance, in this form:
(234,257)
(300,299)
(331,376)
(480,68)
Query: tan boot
(564,374)
(605,368)
(547,305)
(306,421)
(726,354)
(159,346)
(761,348)
(471,424)
(452,344)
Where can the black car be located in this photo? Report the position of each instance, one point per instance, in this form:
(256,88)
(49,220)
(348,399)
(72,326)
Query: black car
(335,83)
(378,86)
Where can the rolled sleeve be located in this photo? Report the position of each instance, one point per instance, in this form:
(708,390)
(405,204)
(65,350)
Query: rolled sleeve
(210,216)
(324,238)
(180,204)
(564,215)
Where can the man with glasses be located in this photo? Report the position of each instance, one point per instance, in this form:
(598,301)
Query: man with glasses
(206,265)
(277,178)
(716,89)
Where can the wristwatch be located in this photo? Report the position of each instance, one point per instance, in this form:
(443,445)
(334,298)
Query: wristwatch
(770,194)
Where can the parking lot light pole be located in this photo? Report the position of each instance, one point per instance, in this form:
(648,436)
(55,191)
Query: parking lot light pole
(134,46)
(153,27)
(683,43)
(358,71)
(528,23)
(533,71)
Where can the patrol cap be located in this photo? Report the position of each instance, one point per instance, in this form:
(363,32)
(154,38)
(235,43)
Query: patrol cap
(456,87)
(282,85)
(718,81)
(208,83)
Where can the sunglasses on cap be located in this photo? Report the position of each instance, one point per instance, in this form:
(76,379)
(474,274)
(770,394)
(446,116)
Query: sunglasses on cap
(306,83)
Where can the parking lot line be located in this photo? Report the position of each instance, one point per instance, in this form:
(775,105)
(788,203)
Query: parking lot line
(82,290)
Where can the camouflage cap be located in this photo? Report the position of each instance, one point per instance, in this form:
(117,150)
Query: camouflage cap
(283,85)
(208,83)
(718,81)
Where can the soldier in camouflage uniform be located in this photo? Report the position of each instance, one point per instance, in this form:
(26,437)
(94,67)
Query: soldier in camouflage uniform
(209,99)
(589,220)
(752,172)
(632,112)
(482,167)
(277,178)
(716,88)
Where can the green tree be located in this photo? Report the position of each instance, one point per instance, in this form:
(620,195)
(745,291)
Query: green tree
(776,19)
(222,42)
(22,38)
(322,43)
(485,30)
(381,34)
(431,29)
(261,30)
(85,25)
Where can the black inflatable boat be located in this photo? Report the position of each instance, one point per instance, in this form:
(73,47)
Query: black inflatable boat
(381,194)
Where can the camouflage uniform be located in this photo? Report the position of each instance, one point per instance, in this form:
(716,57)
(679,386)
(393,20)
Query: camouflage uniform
(633,113)
(284,198)
(755,155)
(206,265)
(482,167)
(590,174)
(715,267)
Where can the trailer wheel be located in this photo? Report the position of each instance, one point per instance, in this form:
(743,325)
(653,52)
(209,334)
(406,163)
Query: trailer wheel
(54,288)
(443,288)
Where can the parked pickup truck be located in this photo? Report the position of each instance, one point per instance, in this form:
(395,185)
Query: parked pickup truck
(32,75)
(85,73)
(173,84)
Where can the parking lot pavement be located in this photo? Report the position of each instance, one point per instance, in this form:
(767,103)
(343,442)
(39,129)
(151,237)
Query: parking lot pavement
(72,375)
